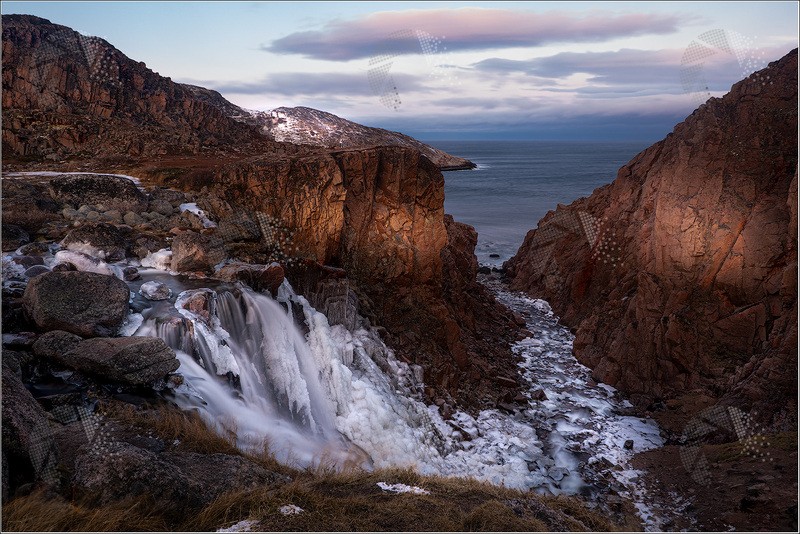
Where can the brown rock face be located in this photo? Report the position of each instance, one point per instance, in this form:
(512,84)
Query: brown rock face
(378,214)
(681,274)
(65,94)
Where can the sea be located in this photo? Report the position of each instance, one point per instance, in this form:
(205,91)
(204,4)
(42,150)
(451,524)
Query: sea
(517,182)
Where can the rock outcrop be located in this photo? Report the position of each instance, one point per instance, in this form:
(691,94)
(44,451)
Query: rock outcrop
(128,360)
(86,304)
(681,274)
(378,214)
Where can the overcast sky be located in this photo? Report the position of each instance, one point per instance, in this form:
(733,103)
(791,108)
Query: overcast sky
(453,70)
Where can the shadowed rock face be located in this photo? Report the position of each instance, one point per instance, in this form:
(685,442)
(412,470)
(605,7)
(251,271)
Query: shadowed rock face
(681,274)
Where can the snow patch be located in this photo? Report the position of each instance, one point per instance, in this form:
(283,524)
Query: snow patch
(160,260)
(402,488)
(191,207)
(242,526)
(291,509)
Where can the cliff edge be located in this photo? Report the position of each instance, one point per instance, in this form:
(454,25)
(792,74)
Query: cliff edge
(679,279)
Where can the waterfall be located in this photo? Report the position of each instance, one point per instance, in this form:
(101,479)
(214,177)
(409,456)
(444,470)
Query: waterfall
(333,395)
(249,370)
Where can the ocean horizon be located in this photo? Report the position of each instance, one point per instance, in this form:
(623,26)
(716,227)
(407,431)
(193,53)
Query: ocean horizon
(516,183)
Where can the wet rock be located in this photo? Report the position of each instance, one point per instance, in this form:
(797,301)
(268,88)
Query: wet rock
(201,302)
(64,266)
(55,343)
(538,395)
(105,240)
(259,277)
(628,444)
(87,304)
(483,269)
(113,192)
(28,261)
(19,340)
(148,244)
(14,236)
(153,290)
(130,360)
(130,274)
(36,270)
(196,252)
(37,248)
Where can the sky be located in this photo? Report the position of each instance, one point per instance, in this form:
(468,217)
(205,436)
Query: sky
(626,71)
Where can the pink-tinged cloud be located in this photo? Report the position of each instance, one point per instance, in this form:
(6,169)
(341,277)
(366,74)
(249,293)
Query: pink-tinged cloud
(471,28)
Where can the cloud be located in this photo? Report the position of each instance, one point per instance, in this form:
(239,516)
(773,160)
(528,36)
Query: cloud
(633,70)
(469,28)
(312,84)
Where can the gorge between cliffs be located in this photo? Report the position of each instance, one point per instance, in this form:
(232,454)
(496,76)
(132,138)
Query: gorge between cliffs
(210,323)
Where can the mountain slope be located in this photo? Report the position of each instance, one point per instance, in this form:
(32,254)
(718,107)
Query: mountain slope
(108,105)
(308,126)
(680,276)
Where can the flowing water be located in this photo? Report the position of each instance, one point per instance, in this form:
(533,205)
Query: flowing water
(341,396)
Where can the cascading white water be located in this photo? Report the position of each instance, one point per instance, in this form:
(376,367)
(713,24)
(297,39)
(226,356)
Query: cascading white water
(249,370)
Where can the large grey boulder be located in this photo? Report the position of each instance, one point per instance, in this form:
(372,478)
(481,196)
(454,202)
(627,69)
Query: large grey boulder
(130,360)
(113,192)
(196,252)
(104,238)
(86,304)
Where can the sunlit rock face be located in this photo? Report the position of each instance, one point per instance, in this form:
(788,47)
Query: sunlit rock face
(378,214)
(681,274)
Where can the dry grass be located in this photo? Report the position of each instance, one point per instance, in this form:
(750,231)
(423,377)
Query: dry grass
(332,500)
(42,512)
(353,502)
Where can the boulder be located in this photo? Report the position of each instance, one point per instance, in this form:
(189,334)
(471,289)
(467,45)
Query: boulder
(196,252)
(87,304)
(174,198)
(36,270)
(161,207)
(259,277)
(112,192)
(102,240)
(130,360)
(122,470)
(153,290)
(55,343)
(14,237)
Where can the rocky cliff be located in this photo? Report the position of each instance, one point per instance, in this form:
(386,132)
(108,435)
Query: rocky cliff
(680,276)
(378,214)
(375,212)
